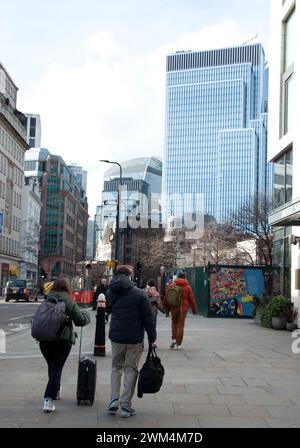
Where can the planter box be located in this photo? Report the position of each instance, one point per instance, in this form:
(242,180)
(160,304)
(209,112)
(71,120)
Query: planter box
(279,323)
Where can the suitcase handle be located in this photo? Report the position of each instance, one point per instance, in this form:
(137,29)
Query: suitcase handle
(80,344)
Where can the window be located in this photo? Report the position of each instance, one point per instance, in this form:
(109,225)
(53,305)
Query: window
(288,71)
(283,180)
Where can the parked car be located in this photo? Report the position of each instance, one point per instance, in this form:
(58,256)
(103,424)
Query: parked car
(20,289)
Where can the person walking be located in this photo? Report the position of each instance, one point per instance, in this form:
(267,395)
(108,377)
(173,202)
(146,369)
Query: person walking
(154,299)
(56,353)
(131,315)
(178,314)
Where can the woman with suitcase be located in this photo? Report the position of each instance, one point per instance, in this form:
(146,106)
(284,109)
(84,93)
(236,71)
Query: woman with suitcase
(56,353)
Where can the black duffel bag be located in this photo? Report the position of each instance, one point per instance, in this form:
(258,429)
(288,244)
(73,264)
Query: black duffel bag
(151,374)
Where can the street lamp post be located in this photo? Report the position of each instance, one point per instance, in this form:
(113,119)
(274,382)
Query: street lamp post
(118,207)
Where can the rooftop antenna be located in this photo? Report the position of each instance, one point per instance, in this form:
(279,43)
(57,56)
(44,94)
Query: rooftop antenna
(250,40)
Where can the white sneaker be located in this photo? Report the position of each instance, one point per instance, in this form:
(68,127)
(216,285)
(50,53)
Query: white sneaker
(48,405)
(173,343)
(178,347)
(113,406)
(125,413)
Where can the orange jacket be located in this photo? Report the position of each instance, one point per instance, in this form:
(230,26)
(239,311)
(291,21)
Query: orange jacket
(188,298)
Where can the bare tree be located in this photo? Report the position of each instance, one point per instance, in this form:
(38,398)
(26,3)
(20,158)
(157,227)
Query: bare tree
(251,220)
(30,243)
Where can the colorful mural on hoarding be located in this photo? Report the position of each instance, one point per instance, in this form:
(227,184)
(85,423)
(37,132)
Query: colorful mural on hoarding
(232,290)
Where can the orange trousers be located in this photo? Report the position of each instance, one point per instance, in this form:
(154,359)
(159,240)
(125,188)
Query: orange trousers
(178,320)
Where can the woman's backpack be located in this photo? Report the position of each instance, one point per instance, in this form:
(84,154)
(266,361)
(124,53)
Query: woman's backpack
(49,320)
(151,374)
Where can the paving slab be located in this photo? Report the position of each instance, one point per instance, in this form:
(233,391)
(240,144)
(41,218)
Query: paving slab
(200,409)
(226,399)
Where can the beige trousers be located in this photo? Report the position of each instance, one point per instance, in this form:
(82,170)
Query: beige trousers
(125,358)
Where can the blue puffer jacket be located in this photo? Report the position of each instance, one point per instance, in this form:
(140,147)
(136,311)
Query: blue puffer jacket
(131,312)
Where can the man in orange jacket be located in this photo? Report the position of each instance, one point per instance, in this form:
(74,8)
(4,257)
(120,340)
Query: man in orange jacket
(179,313)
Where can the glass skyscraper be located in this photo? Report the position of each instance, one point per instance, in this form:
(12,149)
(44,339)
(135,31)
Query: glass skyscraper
(216,130)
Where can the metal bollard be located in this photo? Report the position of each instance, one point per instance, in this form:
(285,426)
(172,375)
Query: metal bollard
(99,347)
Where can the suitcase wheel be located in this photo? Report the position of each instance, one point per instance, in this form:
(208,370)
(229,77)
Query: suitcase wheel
(91,402)
(78,402)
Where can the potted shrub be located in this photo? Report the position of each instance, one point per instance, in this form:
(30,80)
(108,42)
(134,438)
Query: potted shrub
(279,309)
(291,317)
(262,314)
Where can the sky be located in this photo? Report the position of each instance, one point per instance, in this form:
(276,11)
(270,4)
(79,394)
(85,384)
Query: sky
(95,70)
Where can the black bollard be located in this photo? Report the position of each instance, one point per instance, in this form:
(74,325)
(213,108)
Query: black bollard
(99,347)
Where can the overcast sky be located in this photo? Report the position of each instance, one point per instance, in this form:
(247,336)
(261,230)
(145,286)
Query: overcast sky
(95,69)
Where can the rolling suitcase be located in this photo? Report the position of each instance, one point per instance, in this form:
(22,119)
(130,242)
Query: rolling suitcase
(87,375)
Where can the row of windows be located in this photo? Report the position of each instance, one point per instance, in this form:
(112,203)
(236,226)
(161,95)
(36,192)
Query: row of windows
(11,146)
(68,268)
(211,74)
(9,246)
(18,177)
(16,223)
(69,236)
(2,189)
(17,200)
(3,165)
(69,252)
(14,173)
(71,206)
(70,221)
(10,89)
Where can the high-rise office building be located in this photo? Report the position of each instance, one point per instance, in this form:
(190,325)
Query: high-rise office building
(141,178)
(216,130)
(80,174)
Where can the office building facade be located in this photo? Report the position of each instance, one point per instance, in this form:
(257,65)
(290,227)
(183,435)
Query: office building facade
(64,214)
(284,144)
(12,151)
(216,130)
(30,230)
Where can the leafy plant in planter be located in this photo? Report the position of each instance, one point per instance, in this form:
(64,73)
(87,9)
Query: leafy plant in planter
(280,306)
(260,312)
(266,317)
(276,308)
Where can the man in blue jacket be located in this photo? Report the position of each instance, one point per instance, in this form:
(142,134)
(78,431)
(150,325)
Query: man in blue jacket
(131,315)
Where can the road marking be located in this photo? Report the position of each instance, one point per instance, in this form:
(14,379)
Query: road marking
(17,327)
(21,317)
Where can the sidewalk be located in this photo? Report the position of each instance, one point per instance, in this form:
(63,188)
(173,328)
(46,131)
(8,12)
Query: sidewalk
(231,373)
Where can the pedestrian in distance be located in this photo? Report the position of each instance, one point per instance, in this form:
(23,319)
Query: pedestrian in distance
(178,313)
(154,299)
(131,315)
(57,352)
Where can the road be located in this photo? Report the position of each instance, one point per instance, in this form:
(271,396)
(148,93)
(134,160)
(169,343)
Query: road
(16,316)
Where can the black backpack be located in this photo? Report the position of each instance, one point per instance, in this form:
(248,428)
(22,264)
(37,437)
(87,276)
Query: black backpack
(49,320)
(151,374)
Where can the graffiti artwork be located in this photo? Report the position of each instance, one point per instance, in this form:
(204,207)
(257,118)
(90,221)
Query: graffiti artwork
(232,290)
